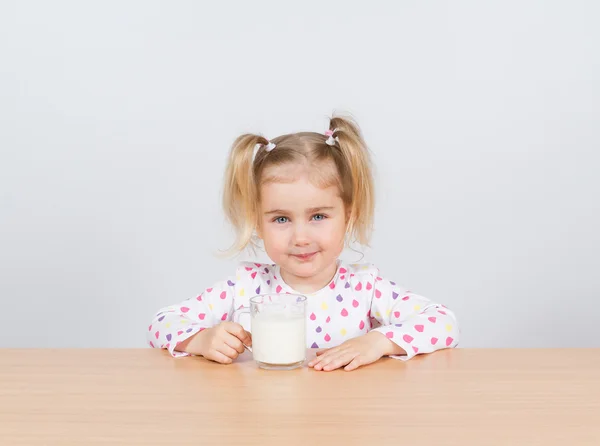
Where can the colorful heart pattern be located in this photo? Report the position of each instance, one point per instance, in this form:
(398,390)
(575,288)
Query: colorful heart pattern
(336,313)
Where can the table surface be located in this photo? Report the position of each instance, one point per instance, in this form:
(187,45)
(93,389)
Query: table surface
(143,396)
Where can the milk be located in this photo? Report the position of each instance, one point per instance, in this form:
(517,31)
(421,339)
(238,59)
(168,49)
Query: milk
(278,339)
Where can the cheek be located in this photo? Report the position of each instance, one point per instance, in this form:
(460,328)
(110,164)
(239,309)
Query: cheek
(334,234)
(274,237)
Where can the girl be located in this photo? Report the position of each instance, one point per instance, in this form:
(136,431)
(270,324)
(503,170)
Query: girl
(306,195)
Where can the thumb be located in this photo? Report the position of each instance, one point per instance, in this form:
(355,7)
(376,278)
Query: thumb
(247,338)
(238,331)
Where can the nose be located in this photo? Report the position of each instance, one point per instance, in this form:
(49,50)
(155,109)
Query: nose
(301,235)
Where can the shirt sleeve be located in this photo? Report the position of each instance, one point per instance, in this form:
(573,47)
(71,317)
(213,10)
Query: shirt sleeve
(411,321)
(176,323)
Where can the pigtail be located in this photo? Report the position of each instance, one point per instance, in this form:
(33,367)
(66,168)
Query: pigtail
(347,136)
(240,194)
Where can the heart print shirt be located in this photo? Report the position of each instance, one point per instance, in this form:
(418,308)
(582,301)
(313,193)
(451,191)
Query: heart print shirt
(356,301)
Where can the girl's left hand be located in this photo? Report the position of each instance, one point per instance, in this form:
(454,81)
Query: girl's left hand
(353,353)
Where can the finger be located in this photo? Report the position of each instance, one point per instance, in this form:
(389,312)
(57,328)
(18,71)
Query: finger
(313,362)
(228,351)
(326,359)
(238,331)
(327,351)
(340,361)
(319,354)
(322,355)
(218,357)
(248,339)
(234,343)
(354,364)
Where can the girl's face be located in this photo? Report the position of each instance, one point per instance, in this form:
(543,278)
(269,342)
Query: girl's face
(303,228)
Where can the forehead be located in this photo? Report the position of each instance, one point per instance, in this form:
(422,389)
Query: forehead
(292,188)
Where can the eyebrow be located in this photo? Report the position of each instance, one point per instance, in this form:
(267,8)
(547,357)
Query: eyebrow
(308,211)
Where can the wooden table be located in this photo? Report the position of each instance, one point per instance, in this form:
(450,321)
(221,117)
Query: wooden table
(452,397)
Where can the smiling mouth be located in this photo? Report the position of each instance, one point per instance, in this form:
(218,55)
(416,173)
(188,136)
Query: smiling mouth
(307,256)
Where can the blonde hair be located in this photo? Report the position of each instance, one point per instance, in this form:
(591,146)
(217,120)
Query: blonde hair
(352,175)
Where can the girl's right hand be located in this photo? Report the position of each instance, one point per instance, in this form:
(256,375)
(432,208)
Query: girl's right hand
(221,343)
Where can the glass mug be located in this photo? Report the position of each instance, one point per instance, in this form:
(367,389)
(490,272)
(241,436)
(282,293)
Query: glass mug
(278,326)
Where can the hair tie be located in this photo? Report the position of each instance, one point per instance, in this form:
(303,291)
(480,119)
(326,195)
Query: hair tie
(268,147)
(331,140)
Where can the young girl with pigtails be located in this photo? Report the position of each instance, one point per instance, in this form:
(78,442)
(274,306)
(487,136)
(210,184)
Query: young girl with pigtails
(303,197)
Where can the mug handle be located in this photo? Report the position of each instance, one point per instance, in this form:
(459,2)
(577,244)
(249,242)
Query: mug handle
(236,319)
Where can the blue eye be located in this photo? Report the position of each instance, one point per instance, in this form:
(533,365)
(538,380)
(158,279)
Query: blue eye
(319,217)
(281,220)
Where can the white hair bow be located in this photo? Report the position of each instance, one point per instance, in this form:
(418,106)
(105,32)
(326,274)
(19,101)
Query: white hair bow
(331,140)
(268,147)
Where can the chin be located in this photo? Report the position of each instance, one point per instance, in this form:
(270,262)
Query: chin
(309,269)
(306,270)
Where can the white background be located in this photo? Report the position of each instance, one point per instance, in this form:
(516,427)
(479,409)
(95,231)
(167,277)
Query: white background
(116,118)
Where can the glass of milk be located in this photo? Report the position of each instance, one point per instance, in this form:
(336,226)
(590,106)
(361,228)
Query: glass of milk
(278,327)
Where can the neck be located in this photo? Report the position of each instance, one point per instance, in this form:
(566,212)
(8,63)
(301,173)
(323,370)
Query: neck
(310,284)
